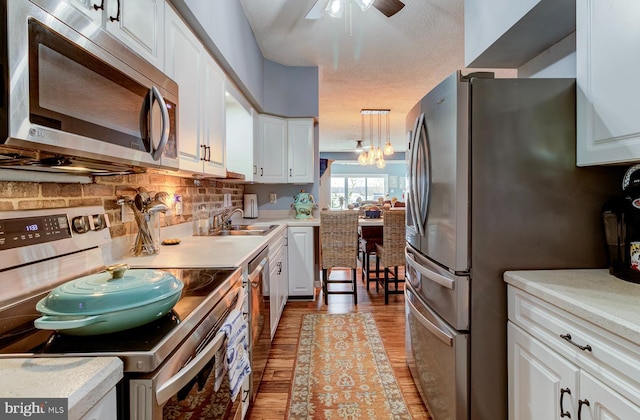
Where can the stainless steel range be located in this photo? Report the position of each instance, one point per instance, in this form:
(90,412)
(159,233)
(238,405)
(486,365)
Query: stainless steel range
(167,363)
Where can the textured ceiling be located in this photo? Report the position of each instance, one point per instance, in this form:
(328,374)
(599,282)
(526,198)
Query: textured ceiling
(365,59)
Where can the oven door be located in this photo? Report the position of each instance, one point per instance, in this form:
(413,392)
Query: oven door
(76,98)
(437,356)
(183,385)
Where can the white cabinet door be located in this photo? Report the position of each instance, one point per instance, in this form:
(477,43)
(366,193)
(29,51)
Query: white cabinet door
(284,273)
(201,112)
(599,402)
(608,127)
(274,291)
(139,24)
(300,150)
(213,118)
(285,150)
(272,150)
(183,65)
(542,384)
(300,258)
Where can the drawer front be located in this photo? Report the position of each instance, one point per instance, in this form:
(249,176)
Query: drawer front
(610,358)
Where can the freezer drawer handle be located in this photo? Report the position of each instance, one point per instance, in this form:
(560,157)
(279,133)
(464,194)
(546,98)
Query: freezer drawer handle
(567,337)
(442,335)
(562,412)
(441,280)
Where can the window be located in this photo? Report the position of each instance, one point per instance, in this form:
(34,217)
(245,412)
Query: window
(354,189)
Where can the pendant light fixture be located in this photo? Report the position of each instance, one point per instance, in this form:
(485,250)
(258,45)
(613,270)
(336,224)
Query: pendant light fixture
(375,155)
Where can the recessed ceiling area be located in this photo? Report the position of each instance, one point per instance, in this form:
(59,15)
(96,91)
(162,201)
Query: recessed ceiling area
(365,59)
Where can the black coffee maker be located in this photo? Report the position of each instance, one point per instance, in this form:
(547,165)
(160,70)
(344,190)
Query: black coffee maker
(621,217)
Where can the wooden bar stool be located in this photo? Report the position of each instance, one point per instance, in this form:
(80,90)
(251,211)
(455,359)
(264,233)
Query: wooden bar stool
(339,248)
(370,237)
(391,253)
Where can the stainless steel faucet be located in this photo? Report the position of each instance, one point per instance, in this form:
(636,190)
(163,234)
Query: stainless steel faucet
(223,220)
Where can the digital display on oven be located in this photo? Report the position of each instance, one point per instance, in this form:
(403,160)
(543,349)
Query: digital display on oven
(24,231)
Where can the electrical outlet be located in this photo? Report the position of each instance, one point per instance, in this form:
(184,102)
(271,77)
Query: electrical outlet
(227,200)
(273,198)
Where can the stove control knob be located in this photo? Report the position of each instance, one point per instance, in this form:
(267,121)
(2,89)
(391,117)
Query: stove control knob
(100,221)
(81,224)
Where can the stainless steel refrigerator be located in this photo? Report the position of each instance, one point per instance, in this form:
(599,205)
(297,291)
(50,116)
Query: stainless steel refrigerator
(493,186)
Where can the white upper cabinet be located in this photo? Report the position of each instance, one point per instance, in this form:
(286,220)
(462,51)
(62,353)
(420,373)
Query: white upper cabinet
(285,152)
(201,111)
(507,33)
(214,120)
(139,24)
(240,135)
(607,40)
(300,147)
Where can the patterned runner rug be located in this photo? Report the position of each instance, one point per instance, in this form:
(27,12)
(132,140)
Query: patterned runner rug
(342,371)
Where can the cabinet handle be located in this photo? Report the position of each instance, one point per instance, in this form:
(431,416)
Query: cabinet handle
(290,173)
(255,169)
(208,149)
(246,395)
(261,172)
(562,412)
(580,404)
(567,337)
(117,18)
(101,7)
(204,152)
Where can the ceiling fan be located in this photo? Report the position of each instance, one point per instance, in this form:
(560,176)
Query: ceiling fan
(335,8)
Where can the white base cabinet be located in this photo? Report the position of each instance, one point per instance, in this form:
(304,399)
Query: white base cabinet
(561,366)
(608,127)
(278,280)
(300,256)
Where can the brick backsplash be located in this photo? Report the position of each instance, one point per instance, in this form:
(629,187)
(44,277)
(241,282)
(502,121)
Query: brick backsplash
(105,191)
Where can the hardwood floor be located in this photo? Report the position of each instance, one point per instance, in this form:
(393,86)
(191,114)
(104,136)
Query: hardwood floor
(273,394)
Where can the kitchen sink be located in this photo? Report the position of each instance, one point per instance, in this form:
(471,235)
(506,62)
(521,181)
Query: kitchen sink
(244,230)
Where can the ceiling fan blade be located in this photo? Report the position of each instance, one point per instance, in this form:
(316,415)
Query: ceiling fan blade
(388,7)
(317,11)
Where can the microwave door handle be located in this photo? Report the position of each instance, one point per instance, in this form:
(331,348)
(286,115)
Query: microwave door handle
(156,96)
(434,277)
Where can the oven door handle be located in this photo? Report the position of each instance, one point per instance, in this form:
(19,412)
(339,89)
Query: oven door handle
(191,369)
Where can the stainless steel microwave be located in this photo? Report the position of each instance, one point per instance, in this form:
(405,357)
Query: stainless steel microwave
(75,99)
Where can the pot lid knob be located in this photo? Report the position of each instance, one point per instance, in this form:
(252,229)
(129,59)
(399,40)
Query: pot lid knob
(117,270)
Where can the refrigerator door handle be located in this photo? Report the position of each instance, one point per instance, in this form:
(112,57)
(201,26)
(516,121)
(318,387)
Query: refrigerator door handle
(435,277)
(413,178)
(439,333)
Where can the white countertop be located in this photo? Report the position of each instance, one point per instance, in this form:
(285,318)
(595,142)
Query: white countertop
(593,295)
(82,380)
(220,251)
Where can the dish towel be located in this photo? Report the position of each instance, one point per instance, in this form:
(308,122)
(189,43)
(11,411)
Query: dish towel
(236,360)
